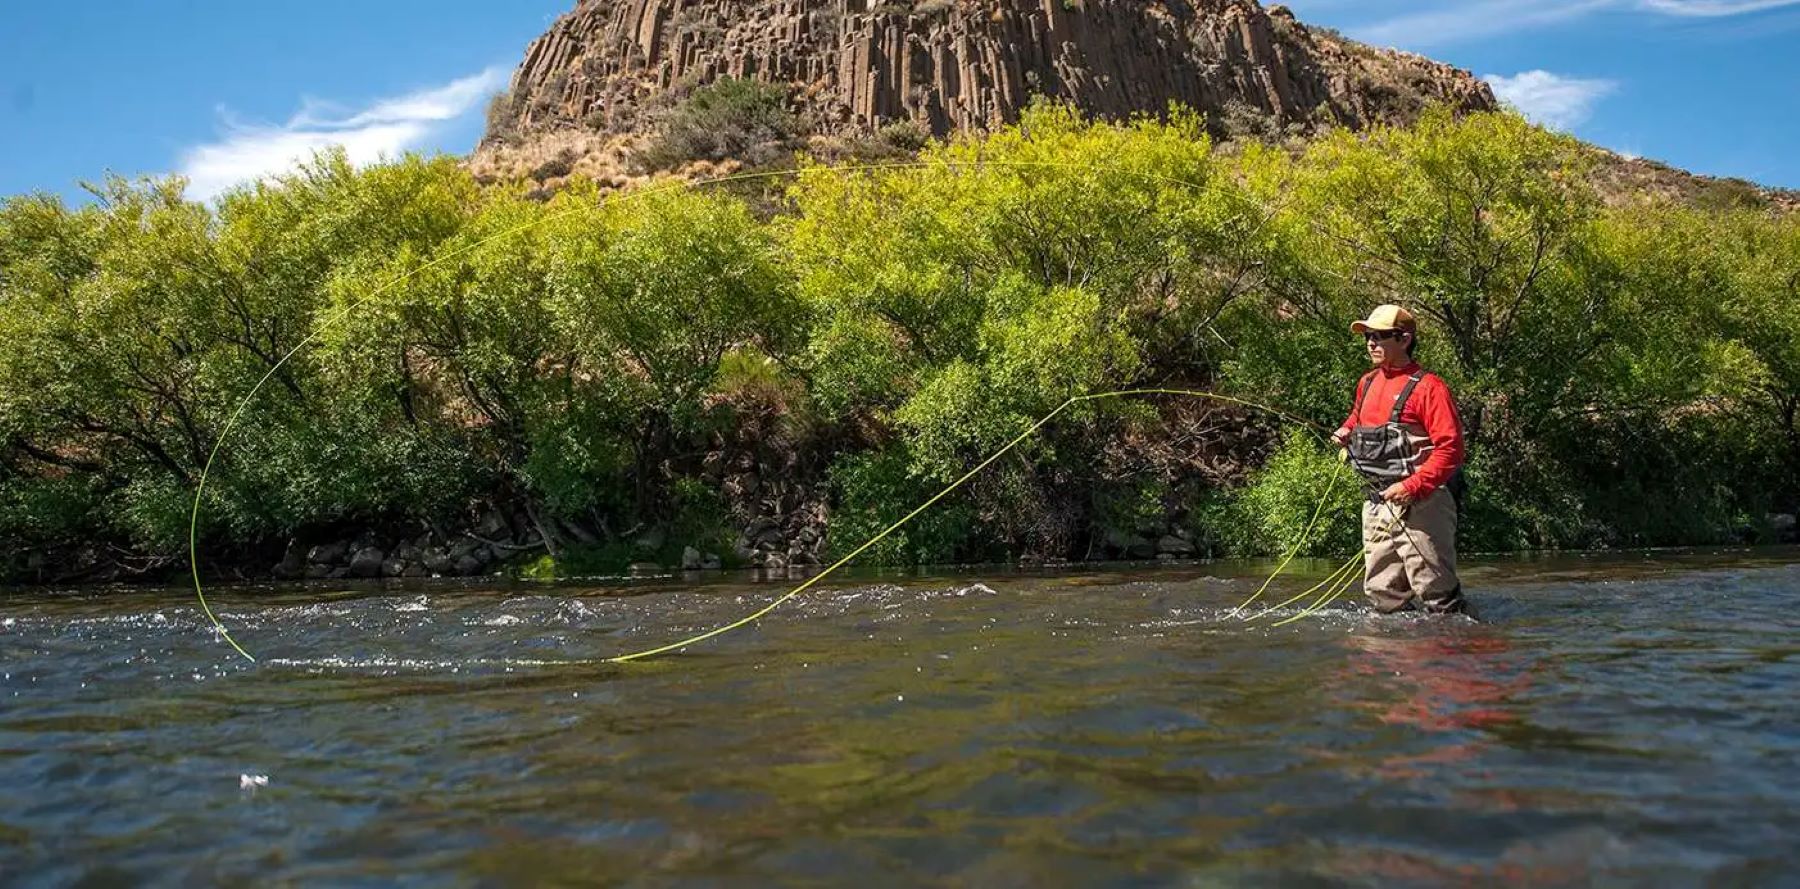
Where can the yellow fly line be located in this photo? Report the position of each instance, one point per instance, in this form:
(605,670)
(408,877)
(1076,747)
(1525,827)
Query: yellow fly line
(1330,589)
(1021,437)
(343,311)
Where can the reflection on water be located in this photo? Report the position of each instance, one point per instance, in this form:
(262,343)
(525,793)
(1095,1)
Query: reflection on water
(1628,720)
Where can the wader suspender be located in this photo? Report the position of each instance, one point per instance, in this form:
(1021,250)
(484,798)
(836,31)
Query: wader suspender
(1399,403)
(1405,393)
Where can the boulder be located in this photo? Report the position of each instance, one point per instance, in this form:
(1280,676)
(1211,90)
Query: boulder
(1784,526)
(328,554)
(492,525)
(1174,546)
(690,559)
(292,565)
(437,561)
(367,562)
(741,486)
(1127,545)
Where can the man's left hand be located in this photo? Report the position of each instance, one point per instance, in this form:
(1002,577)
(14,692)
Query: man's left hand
(1397,494)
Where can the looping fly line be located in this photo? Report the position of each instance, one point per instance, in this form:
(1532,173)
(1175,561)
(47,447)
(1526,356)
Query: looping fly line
(1331,590)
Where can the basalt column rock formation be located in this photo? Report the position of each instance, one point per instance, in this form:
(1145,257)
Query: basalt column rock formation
(954,65)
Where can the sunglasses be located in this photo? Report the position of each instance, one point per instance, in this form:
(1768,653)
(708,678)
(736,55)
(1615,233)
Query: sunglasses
(1374,335)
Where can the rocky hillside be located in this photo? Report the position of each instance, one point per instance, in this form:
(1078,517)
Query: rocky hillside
(593,91)
(853,66)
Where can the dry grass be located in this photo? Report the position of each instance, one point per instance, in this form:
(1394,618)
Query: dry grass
(551,159)
(1623,180)
(548,161)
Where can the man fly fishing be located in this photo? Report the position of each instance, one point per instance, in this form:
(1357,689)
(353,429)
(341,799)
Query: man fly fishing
(1404,437)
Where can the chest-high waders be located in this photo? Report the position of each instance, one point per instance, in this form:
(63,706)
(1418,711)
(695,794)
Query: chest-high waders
(1388,454)
(1410,553)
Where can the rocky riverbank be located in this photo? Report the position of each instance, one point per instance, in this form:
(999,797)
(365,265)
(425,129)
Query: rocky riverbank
(498,544)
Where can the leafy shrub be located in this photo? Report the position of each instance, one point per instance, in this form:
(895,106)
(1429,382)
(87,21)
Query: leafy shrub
(503,116)
(561,164)
(874,490)
(1275,512)
(728,118)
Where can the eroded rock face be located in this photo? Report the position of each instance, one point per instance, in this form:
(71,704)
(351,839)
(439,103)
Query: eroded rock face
(955,65)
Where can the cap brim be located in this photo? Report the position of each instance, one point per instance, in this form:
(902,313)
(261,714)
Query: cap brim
(1363,327)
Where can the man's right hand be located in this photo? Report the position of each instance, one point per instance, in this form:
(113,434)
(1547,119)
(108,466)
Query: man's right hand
(1341,438)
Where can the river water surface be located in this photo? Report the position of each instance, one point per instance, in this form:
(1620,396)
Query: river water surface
(1622,720)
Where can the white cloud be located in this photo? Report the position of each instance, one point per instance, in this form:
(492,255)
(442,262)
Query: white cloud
(1464,21)
(1457,22)
(384,129)
(1551,99)
(1713,8)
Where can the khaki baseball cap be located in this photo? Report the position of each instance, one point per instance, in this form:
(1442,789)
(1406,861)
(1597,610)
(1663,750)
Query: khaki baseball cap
(1388,317)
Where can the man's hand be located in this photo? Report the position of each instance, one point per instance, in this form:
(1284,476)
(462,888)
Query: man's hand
(1341,438)
(1397,494)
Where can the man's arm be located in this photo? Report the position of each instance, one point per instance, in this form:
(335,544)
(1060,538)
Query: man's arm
(1438,412)
(1341,436)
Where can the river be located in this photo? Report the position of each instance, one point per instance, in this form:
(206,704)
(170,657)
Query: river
(1619,719)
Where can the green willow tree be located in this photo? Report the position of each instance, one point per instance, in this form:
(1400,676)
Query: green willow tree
(435,350)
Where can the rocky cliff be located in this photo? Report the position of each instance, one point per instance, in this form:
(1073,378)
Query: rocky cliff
(951,65)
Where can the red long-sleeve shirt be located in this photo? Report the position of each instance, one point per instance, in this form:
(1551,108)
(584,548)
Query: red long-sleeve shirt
(1430,408)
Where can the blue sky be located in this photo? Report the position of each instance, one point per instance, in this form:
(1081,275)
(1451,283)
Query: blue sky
(223,91)
(1712,86)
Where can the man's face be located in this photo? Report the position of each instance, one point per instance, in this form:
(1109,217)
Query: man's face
(1387,346)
